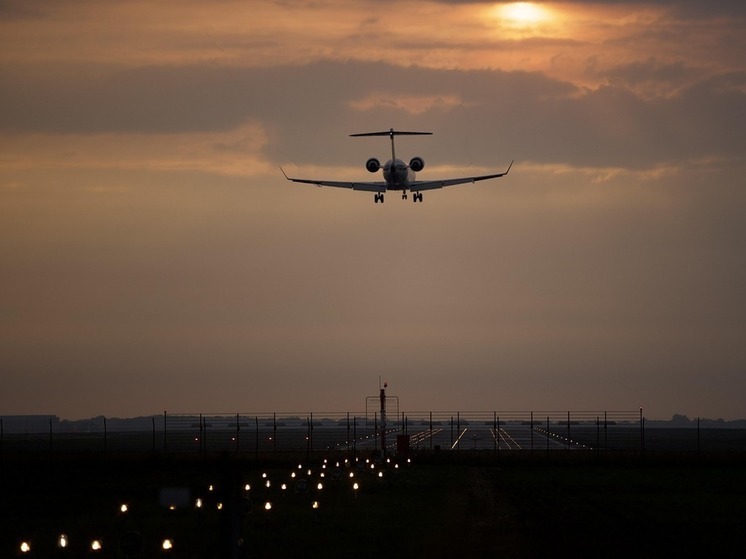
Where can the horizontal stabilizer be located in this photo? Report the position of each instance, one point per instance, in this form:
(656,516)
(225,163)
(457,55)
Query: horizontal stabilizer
(392,133)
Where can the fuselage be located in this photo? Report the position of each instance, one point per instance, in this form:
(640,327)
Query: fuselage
(397,174)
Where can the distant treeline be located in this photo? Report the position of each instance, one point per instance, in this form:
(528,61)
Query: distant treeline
(682,421)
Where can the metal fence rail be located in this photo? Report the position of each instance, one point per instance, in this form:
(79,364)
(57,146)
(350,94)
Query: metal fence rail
(350,432)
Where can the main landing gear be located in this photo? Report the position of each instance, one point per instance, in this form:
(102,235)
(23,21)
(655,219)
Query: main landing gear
(378,197)
(416,196)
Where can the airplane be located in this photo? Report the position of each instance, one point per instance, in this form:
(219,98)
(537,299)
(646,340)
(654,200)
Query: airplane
(397,175)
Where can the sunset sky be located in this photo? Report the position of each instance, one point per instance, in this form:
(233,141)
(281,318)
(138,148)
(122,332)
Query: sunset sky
(153,257)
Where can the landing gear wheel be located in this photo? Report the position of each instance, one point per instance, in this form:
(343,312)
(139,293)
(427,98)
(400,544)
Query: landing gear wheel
(417,197)
(404,196)
(378,197)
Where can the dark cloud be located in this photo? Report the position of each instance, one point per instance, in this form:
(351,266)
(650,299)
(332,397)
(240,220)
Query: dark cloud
(683,8)
(518,114)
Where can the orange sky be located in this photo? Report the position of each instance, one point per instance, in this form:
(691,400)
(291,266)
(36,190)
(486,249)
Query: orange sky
(153,257)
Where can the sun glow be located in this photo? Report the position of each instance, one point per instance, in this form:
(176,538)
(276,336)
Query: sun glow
(523,13)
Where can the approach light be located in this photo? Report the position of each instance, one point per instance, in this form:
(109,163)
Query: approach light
(380,474)
(198,503)
(247,487)
(96,545)
(62,542)
(167,545)
(124,508)
(268,484)
(320,486)
(315,505)
(25,547)
(267,506)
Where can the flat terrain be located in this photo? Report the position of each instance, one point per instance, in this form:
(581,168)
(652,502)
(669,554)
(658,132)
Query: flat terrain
(436,506)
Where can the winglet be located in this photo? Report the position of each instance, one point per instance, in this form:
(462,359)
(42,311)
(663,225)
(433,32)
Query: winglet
(509,166)
(284,173)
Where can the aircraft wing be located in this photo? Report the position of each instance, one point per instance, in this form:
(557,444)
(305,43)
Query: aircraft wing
(417,186)
(378,186)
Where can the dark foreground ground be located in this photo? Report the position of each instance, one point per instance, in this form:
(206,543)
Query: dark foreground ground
(435,506)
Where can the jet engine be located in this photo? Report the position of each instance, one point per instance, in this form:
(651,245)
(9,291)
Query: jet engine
(372,164)
(417,164)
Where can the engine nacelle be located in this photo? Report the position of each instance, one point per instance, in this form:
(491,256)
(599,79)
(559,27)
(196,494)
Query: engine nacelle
(417,164)
(372,164)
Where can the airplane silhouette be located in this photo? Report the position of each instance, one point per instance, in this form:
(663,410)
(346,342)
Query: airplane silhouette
(397,175)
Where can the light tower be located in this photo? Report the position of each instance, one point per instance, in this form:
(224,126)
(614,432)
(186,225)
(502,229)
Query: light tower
(383,420)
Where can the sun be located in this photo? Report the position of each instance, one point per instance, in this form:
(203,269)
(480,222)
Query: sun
(523,13)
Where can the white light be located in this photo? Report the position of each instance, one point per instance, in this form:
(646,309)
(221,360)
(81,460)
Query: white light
(320,486)
(355,486)
(124,508)
(96,545)
(62,541)
(247,487)
(268,506)
(211,488)
(264,476)
(315,504)
(198,503)
(25,547)
(292,475)
(220,506)
(167,544)
(268,483)
(380,474)
(283,487)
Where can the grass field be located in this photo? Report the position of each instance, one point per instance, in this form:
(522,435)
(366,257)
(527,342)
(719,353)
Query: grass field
(433,507)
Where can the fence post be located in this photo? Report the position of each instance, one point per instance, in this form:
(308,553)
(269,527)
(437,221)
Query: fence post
(165,432)
(153,421)
(50,437)
(105,433)
(238,430)
(568,430)
(274,433)
(431,430)
(642,433)
(532,432)
(547,435)
(256,438)
(497,418)
(494,428)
